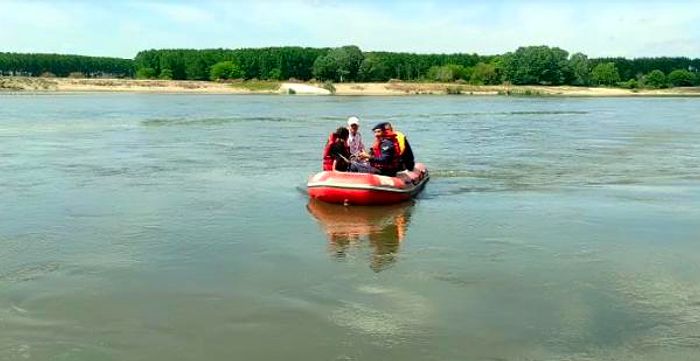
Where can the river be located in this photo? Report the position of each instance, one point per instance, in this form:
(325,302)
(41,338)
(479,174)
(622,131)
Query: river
(176,227)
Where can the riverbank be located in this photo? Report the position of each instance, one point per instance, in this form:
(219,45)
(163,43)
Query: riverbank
(69,85)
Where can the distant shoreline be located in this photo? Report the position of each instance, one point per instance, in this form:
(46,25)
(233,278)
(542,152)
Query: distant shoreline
(71,85)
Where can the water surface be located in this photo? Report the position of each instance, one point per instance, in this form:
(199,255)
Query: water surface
(175,227)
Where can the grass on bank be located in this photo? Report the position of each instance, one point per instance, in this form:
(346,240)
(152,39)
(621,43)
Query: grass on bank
(26,83)
(257,85)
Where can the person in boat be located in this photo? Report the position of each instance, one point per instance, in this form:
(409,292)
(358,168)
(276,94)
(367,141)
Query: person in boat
(336,154)
(384,156)
(355,138)
(405,152)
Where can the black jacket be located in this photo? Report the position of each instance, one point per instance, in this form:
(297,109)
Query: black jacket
(339,151)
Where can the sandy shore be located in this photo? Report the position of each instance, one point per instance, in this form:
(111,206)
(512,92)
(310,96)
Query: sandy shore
(121,85)
(21,84)
(465,89)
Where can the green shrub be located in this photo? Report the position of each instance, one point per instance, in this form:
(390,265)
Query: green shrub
(146,73)
(225,70)
(329,86)
(166,74)
(483,73)
(655,79)
(630,84)
(681,77)
(275,74)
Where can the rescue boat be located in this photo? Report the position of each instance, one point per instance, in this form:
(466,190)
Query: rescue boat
(367,189)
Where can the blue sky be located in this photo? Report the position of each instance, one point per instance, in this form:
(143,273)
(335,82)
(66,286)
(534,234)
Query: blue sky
(122,28)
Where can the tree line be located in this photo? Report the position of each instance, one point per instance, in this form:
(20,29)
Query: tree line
(18,64)
(531,65)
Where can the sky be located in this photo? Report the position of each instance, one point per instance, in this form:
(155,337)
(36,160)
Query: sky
(122,28)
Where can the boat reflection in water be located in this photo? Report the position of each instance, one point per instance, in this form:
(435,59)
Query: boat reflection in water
(348,229)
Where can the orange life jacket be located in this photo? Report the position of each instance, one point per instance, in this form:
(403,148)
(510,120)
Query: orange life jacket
(376,149)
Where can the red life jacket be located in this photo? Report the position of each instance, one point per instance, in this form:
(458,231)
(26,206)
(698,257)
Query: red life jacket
(376,149)
(327,163)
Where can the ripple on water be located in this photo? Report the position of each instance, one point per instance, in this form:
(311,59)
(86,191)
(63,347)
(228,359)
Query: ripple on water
(391,313)
(482,113)
(56,350)
(29,272)
(655,318)
(212,121)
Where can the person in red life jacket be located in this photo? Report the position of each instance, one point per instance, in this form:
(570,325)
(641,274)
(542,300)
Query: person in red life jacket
(405,151)
(384,156)
(336,154)
(327,163)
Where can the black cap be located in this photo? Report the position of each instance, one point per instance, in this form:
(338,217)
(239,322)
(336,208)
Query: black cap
(380,126)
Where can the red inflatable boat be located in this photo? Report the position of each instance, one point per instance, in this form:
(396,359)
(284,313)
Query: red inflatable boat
(367,189)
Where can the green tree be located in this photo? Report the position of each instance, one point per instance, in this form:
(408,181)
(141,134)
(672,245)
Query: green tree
(373,68)
(448,73)
(63,65)
(146,73)
(580,69)
(175,61)
(461,72)
(340,64)
(225,70)
(630,68)
(526,65)
(195,66)
(680,77)
(325,68)
(536,65)
(166,74)
(439,73)
(352,59)
(655,79)
(484,74)
(275,74)
(498,63)
(605,74)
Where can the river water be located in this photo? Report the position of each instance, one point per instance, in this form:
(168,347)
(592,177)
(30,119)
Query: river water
(176,227)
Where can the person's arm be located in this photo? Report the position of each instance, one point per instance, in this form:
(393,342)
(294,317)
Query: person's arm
(386,153)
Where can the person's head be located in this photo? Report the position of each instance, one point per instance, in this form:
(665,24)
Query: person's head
(342,133)
(379,130)
(353,124)
(388,126)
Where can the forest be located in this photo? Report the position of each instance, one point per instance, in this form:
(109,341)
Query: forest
(530,65)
